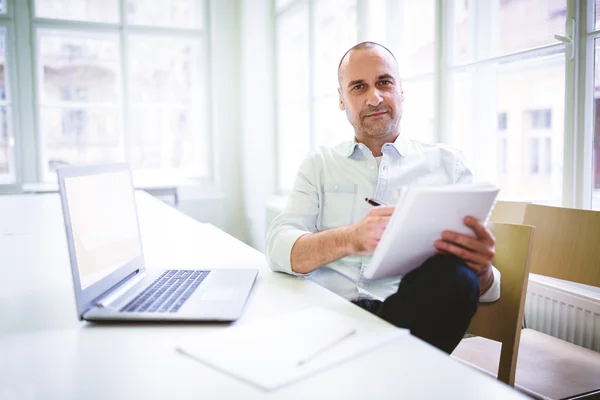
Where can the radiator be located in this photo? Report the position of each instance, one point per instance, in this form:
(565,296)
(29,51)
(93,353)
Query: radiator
(564,310)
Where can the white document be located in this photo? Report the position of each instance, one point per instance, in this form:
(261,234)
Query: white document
(420,217)
(282,350)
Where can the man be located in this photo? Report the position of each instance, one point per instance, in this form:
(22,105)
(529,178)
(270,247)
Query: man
(327,231)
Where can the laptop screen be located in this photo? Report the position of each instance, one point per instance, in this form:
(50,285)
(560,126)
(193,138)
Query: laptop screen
(104,222)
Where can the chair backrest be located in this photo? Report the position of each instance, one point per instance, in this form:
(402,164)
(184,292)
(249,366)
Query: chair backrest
(566,243)
(501,320)
(509,212)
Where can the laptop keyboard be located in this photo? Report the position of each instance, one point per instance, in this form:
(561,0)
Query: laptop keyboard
(168,292)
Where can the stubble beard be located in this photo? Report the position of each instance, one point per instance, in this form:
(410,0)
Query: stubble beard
(378,128)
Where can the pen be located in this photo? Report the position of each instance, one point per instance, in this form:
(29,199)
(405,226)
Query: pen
(375,202)
(327,347)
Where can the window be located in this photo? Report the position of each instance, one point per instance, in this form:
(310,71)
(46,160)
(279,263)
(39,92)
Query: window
(501,60)
(7,166)
(540,151)
(594,35)
(413,43)
(78,98)
(114,80)
(502,143)
(293,91)
(540,119)
(307,101)
(502,121)
(335,32)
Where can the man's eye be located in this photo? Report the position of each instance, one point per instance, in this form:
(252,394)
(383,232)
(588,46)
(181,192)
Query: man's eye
(357,87)
(385,82)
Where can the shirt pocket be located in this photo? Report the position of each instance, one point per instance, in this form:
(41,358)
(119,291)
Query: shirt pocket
(338,204)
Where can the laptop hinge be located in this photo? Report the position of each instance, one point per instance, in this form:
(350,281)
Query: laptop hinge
(121,288)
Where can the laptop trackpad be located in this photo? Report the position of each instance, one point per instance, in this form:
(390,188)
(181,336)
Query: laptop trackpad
(218,292)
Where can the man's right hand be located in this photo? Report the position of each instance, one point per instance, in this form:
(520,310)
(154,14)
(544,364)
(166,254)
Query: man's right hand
(367,232)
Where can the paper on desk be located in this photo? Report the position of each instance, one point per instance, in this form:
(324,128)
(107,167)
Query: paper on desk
(266,354)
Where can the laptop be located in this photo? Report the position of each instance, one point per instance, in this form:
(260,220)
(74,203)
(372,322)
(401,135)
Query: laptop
(110,279)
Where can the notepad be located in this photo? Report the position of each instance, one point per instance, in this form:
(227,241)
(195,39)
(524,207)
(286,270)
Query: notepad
(420,217)
(275,352)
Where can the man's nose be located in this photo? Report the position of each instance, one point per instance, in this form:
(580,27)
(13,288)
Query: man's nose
(374,98)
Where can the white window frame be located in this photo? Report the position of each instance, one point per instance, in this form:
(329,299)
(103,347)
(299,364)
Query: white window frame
(22,50)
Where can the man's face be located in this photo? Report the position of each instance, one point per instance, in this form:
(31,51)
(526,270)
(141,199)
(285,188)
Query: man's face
(370,92)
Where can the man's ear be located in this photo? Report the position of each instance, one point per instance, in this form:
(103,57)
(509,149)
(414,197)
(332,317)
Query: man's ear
(342,106)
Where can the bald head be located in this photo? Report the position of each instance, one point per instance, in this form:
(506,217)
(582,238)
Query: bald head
(363,46)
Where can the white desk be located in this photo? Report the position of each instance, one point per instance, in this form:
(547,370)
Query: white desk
(46,353)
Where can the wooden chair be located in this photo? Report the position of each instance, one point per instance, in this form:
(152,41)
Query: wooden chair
(509,212)
(565,246)
(501,321)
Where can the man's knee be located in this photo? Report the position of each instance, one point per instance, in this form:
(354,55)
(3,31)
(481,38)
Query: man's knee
(448,275)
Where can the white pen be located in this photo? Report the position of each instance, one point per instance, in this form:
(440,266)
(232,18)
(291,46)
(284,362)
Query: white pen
(327,347)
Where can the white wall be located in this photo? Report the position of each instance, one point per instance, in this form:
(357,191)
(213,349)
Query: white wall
(222,203)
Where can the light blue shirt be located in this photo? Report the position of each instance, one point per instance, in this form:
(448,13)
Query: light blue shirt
(330,190)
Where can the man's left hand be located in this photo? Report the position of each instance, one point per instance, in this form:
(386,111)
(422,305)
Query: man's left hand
(477,252)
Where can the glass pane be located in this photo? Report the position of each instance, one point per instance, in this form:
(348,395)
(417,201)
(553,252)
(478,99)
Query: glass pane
(171,13)
(6,138)
(517,108)
(79,10)
(170,78)
(77,136)
(4,90)
(596,144)
(163,91)
(461,45)
(597,19)
(166,138)
(417,44)
(335,33)
(2,6)
(78,69)
(331,125)
(293,96)
(281,4)
(484,29)
(6,145)
(417,119)
(79,96)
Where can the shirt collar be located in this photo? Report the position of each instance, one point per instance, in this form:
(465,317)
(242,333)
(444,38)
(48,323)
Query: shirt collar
(401,144)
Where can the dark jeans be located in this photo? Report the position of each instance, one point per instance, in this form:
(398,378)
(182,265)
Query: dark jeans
(435,301)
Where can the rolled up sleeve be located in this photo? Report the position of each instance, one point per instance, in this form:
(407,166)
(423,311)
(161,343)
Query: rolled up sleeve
(298,218)
(493,293)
